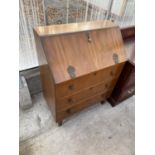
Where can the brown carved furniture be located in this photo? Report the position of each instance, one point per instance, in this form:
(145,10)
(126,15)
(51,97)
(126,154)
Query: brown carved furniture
(79,64)
(125,86)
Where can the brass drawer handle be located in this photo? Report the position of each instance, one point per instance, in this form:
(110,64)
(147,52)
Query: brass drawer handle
(91,88)
(69,111)
(106,85)
(71,101)
(71,87)
(71,71)
(115,58)
(112,73)
(89,37)
(95,73)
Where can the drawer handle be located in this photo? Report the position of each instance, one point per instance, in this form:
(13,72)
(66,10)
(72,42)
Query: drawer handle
(112,73)
(106,85)
(91,88)
(89,37)
(71,71)
(69,111)
(70,100)
(71,87)
(115,58)
(95,73)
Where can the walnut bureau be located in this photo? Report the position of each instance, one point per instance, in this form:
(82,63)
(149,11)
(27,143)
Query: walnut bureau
(79,64)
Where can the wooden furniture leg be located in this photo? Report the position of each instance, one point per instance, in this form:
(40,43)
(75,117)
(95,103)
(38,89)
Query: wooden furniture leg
(60,123)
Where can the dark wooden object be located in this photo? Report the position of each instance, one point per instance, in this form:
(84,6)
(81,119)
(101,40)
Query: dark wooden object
(79,64)
(125,86)
(128,32)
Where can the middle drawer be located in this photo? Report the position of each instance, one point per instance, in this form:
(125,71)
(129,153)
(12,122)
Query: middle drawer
(67,102)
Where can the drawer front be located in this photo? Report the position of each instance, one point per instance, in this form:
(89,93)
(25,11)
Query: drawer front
(76,85)
(83,104)
(70,101)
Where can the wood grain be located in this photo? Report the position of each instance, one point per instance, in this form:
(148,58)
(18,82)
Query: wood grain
(73,100)
(75,50)
(81,105)
(94,51)
(72,28)
(125,86)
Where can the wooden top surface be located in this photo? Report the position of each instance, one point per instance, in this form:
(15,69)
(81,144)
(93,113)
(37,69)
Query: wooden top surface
(72,27)
(73,49)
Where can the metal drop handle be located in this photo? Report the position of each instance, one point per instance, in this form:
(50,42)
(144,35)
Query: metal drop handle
(71,71)
(112,73)
(89,37)
(70,100)
(69,111)
(71,87)
(115,58)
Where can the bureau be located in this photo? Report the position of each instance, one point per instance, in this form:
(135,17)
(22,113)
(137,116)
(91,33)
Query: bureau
(79,64)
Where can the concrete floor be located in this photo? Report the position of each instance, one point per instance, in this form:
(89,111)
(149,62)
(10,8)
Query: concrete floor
(97,130)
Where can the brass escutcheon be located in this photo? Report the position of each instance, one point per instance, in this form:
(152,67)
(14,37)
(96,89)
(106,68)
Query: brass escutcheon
(71,71)
(116,58)
(89,37)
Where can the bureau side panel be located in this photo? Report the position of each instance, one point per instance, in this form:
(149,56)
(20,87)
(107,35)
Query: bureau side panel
(48,85)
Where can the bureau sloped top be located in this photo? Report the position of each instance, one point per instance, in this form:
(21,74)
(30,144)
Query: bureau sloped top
(74,50)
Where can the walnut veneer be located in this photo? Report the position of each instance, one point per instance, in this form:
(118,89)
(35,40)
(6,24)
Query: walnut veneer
(79,64)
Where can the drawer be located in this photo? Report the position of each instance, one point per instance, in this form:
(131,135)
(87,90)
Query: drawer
(83,104)
(69,101)
(80,83)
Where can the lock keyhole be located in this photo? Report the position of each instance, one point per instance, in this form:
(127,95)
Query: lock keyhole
(71,71)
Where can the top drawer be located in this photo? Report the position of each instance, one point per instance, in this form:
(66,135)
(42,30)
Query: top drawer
(75,85)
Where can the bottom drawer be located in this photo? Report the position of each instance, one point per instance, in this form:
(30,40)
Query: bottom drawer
(81,105)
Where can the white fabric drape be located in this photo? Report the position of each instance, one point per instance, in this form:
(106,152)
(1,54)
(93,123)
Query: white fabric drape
(31,13)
